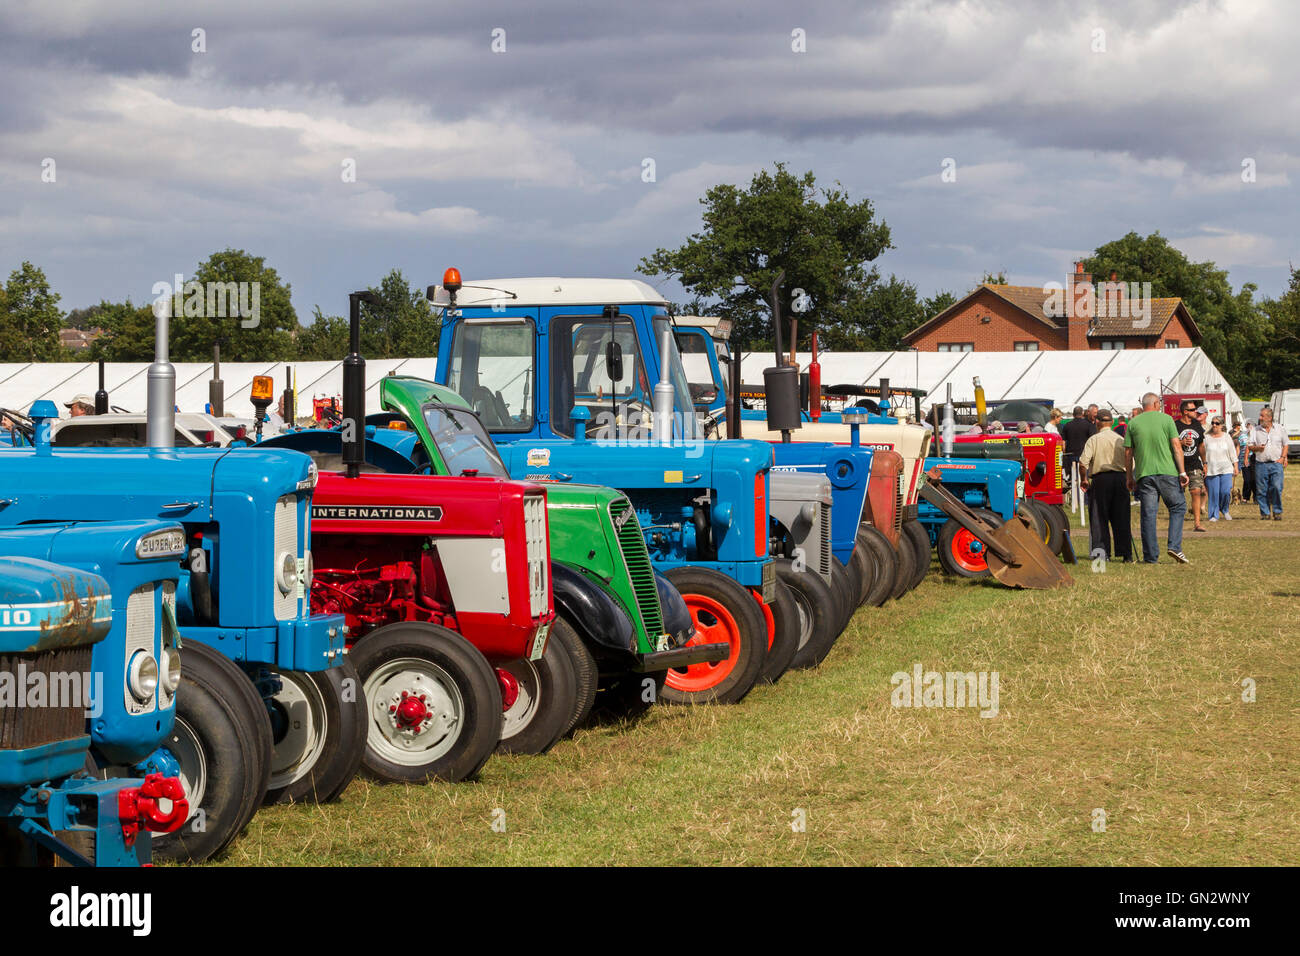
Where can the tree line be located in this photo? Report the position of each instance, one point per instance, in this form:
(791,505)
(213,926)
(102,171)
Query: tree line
(824,243)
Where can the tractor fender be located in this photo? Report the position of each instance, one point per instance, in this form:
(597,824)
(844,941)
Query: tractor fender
(677,619)
(593,613)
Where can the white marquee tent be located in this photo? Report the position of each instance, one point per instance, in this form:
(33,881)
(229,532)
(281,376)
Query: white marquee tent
(1114,380)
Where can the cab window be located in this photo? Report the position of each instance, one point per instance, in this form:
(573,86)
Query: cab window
(597,365)
(493,366)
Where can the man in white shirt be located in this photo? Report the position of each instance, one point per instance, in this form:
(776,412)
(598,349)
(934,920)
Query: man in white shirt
(1268,442)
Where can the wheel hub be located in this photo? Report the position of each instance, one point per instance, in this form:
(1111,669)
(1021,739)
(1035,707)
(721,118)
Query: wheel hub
(509,688)
(410,712)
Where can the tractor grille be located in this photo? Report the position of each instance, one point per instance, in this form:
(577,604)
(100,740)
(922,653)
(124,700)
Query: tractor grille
(539,565)
(631,542)
(898,506)
(286,540)
(141,626)
(824,541)
(66,670)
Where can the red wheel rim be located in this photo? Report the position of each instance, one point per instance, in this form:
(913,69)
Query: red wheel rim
(714,624)
(767,616)
(968,551)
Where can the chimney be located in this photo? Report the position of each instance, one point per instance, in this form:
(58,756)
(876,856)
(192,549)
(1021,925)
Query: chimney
(1111,296)
(1081,302)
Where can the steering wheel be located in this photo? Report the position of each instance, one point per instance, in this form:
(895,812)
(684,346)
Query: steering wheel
(485,406)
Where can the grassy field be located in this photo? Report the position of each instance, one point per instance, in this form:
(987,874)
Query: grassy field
(1123,693)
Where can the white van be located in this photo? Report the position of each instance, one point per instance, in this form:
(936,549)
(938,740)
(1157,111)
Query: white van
(1286,412)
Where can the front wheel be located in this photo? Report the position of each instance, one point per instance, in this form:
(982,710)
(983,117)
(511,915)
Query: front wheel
(906,567)
(586,673)
(318,725)
(884,561)
(433,704)
(222,742)
(722,612)
(785,635)
(539,698)
(846,589)
(961,553)
(816,605)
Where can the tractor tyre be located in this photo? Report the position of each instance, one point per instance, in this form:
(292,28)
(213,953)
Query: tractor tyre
(433,704)
(1037,518)
(785,635)
(318,731)
(222,741)
(545,699)
(629,695)
(884,561)
(863,571)
(586,674)
(1055,517)
(915,531)
(906,566)
(722,612)
(961,554)
(846,591)
(818,613)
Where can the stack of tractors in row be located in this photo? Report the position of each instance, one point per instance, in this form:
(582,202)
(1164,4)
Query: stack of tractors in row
(542,536)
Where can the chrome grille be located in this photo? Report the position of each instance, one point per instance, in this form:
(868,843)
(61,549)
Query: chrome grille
(539,565)
(631,542)
(898,505)
(824,541)
(25,727)
(286,539)
(141,626)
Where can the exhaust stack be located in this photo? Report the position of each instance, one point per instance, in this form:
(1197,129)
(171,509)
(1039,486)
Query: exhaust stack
(101,396)
(663,394)
(216,388)
(161,411)
(354,388)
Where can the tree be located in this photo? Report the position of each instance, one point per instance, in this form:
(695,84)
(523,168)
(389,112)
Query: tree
(782,222)
(1281,357)
(1234,329)
(204,312)
(401,325)
(128,331)
(991,279)
(30,318)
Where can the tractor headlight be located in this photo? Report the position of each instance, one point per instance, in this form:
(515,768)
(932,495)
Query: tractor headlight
(142,676)
(308,572)
(171,669)
(286,572)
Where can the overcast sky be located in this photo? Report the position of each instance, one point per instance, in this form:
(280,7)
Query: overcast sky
(1069,125)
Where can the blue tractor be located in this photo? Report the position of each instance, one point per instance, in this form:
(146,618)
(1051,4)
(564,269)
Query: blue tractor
(89,671)
(269,706)
(539,358)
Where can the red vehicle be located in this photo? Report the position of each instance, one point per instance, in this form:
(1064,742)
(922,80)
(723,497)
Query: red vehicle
(1043,477)
(464,555)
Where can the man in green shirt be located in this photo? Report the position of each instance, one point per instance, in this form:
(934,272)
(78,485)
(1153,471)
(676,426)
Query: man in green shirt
(1154,460)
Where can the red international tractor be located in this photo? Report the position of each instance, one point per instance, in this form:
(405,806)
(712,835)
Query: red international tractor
(1043,477)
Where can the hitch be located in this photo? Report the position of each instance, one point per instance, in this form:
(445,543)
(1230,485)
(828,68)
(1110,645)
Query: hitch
(1016,556)
(138,807)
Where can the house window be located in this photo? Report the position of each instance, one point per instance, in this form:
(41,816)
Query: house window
(956,346)
(1173,344)
(1108,345)
(1026,346)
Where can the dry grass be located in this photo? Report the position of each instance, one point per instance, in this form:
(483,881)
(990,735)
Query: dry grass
(1123,693)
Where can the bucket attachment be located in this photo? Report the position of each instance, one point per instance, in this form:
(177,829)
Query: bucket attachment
(1016,555)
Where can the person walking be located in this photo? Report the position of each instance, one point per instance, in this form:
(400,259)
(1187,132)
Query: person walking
(1192,435)
(1054,422)
(1220,470)
(1102,468)
(1268,442)
(1247,462)
(1076,433)
(1153,456)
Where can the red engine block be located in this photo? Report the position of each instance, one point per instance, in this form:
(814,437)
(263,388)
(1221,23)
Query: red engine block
(371,595)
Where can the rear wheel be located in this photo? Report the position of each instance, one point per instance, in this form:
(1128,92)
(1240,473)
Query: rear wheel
(539,699)
(785,635)
(222,741)
(318,725)
(961,553)
(586,674)
(817,608)
(722,612)
(628,696)
(433,703)
(915,532)
(1055,519)
(1038,519)
(884,562)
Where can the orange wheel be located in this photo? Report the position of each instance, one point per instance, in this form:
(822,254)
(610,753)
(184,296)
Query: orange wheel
(722,612)
(713,625)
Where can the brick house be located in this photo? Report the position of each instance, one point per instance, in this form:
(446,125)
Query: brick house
(1073,315)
